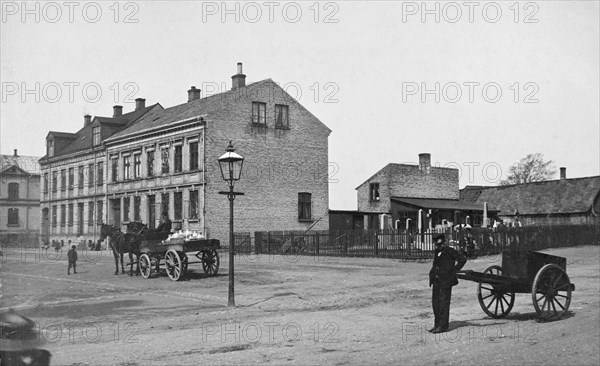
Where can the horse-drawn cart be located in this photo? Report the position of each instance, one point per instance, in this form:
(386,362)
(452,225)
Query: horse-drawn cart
(542,275)
(176,256)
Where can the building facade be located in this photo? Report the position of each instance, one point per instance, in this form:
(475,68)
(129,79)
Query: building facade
(19,199)
(73,177)
(166,161)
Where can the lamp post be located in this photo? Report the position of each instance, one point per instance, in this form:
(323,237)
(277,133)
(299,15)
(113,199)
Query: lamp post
(231,170)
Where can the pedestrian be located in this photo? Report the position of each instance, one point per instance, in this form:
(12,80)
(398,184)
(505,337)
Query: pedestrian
(442,277)
(72,256)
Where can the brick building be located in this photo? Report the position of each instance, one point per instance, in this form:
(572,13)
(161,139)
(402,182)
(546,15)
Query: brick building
(73,194)
(165,160)
(19,199)
(412,196)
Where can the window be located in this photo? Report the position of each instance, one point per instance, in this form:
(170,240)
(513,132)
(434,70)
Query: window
(165,203)
(70,215)
(50,147)
(374,191)
(63,213)
(194,155)
(96,135)
(126,167)
(164,160)
(178,203)
(100,175)
(115,169)
(193,205)
(137,201)
(71,178)
(63,180)
(54,216)
(91,213)
(150,163)
(99,217)
(80,177)
(54,181)
(13,191)
(282,116)
(304,207)
(126,209)
(151,201)
(259,113)
(91,175)
(178,159)
(45,182)
(137,166)
(13,217)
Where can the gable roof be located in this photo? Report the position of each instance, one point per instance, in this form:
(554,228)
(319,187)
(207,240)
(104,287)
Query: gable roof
(82,139)
(391,166)
(199,107)
(575,195)
(28,164)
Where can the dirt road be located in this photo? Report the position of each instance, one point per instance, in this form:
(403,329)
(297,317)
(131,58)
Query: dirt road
(291,310)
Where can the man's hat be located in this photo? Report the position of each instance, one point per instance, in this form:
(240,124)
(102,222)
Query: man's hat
(74,246)
(439,236)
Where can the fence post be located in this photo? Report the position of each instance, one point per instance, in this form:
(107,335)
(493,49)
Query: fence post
(316,243)
(376,243)
(268,242)
(345,245)
(257,242)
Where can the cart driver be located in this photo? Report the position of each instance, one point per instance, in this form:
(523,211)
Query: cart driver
(165,223)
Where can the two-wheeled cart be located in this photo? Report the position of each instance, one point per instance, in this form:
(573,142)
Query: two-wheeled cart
(177,256)
(542,275)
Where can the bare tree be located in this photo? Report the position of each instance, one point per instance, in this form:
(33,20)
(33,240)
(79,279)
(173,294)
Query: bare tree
(532,168)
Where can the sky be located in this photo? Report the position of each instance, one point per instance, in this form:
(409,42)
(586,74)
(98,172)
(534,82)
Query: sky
(478,85)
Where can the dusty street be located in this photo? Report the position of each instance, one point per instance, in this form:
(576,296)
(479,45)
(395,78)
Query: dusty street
(290,310)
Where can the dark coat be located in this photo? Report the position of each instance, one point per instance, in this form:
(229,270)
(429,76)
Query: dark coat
(72,255)
(164,226)
(446,263)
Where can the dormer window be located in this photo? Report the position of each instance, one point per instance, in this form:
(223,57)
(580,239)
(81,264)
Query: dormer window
(259,113)
(50,147)
(96,135)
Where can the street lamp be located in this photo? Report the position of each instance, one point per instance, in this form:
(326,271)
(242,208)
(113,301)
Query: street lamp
(231,170)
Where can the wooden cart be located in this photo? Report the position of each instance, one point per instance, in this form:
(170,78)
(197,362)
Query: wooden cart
(542,275)
(176,257)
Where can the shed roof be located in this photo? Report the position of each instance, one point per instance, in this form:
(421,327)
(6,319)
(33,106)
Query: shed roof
(440,204)
(28,164)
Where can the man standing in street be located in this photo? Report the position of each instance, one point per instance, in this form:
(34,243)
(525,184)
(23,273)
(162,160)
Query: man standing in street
(442,276)
(72,256)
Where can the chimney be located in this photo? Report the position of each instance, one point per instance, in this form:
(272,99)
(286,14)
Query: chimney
(239,79)
(140,103)
(193,94)
(15,155)
(117,111)
(563,173)
(87,119)
(424,161)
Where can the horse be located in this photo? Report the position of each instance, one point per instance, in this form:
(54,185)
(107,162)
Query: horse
(121,243)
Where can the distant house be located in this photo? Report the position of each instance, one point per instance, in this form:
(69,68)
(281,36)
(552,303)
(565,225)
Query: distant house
(555,202)
(19,198)
(414,197)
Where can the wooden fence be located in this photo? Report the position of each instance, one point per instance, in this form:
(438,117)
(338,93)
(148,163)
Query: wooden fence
(412,246)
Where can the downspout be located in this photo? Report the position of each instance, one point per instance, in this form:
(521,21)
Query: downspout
(204,181)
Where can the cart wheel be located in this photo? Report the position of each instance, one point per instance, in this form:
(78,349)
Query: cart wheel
(145,266)
(210,262)
(499,297)
(551,291)
(173,265)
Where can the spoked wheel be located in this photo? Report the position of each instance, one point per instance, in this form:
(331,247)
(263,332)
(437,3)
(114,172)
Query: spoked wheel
(496,300)
(145,266)
(210,262)
(551,292)
(173,265)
